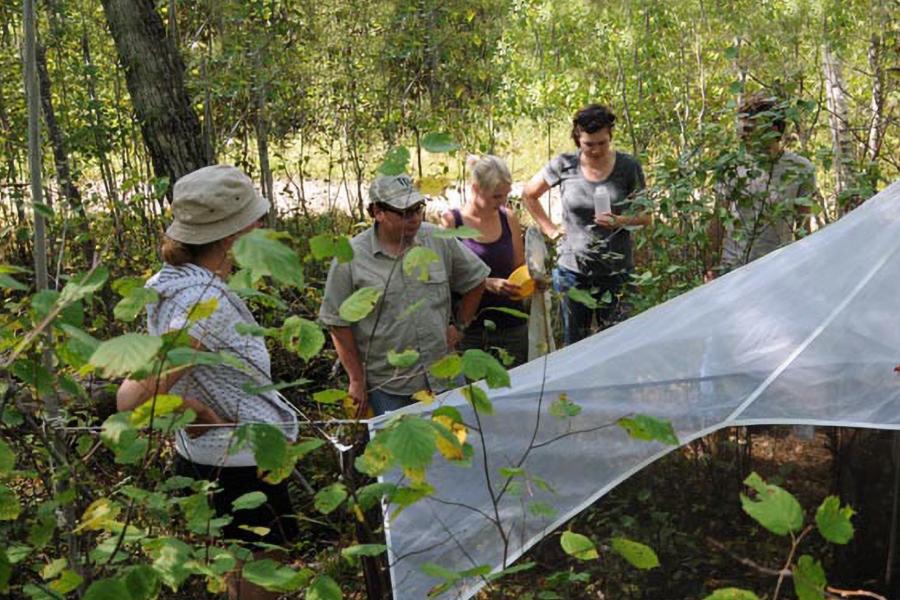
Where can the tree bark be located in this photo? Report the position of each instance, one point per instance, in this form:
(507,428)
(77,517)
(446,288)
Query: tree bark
(842,145)
(154,72)
(876,124)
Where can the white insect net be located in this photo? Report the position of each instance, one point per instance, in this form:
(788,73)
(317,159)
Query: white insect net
(806,335)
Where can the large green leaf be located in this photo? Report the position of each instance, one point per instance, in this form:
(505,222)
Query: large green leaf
(249,501)
(122,438)
(447,367)
(579,546)
(834,521)
(10,283)
(323,587)
(170,560)
(107,589)
(163,404)
(582,297)
(403,360)
(131,305)
(326,245)
(809,579)
(732,594)
(262,253)
(329,498)
(269,445)
(5,570)
(438,142)
(773,508)
(9,504)
(478,364)
(359,304)
(274,576)
(647,428)
(142,582)
(67,581)
(126,354)
(79,287)
(639,555)
(478,398)
(411,442)
(302,336)
(416,262)
(7,459)
(395,161)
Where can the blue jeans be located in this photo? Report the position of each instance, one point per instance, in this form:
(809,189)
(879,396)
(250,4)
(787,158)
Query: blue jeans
(577,318)
(382,401)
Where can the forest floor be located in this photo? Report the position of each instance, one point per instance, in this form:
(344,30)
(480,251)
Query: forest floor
(687,507)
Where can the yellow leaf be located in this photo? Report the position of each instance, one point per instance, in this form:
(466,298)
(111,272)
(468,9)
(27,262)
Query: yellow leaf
(446,447)
(416,476)
(359,513)
(260,531)
(458,429)
(350,409)
(98,515)
(424,396)
(433,186)
(165,404)
(203,309)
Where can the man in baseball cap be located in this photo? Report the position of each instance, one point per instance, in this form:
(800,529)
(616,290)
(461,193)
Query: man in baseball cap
(413,309)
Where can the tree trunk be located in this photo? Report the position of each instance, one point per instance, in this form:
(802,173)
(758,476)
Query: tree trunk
(154,72)
(842,144)
(876,124)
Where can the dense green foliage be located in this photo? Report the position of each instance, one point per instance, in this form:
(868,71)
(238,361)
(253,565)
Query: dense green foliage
(338,91)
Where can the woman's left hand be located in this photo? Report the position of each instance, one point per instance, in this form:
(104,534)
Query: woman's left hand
(502,287)
(607,220)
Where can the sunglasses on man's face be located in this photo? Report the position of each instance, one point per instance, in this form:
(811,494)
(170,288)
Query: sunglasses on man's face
(412,211)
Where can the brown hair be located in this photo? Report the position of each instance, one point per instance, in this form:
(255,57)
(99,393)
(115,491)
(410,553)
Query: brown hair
(177,253)
(591,119)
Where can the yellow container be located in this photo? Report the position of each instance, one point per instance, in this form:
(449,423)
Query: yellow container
(522,278)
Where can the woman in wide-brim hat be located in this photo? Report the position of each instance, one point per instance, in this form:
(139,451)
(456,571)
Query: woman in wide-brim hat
(212,208)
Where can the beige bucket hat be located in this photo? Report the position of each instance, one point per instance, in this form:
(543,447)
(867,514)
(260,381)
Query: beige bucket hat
(212,203)
(397,191)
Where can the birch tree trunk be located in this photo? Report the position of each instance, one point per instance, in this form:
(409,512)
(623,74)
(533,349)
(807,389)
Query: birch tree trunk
(842,145)
(876,123)
(154,72)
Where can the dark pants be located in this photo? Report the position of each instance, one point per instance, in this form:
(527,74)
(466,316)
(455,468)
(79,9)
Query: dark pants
(382,402)
(511,337)
(577,317)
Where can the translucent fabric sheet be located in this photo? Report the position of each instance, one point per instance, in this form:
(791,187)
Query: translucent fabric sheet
(808,334)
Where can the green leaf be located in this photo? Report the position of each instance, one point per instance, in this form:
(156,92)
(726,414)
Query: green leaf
(81,344)
(249,501)
(563,408)
(329,498)
(411,442)
(170,559)
(417,260)
(302,337)
(639,555)
(511,570)
(163,405)
(142,582)
(359,304)
(330,396)
(647,428)
(732,594)
(579,546)
(79,287)
(107,589)
(67,582)
(478,364)
(269,445)
(7,459)
(403,360)
(122,438)
(42,209)
(9,504)
(363,550)
(202,309)
(478,398)
(7,282)
(5,570)
(261,252)
(809,579)
(464,232)
(833,521)
(130,306)
(326,245)
(376,458)
(323,587)
(582,297)
(395,161)
(275,577)
(508,311)
(447,367)
(774,508)
(123,355)
(54,568)
(438,143)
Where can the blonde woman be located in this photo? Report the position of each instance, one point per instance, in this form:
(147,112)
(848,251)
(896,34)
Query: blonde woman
(501,248)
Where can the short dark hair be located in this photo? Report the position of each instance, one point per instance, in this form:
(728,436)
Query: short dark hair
(177,253)
(760,103)
(591,119)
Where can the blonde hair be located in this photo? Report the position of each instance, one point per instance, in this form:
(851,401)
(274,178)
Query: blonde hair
(489,172)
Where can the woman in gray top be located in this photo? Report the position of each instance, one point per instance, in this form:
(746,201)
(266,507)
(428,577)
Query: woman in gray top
(597,186)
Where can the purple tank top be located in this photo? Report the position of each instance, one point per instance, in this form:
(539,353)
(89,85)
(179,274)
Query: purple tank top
(498,256)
